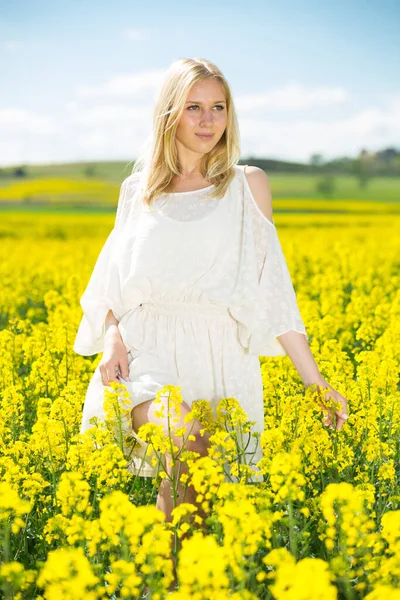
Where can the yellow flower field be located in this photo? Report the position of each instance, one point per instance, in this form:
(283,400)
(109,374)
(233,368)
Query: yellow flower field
(325,522)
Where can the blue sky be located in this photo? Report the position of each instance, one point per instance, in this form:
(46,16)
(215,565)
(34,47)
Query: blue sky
(78,79)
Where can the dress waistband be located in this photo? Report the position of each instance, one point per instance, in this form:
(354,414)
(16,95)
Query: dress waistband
(170,307)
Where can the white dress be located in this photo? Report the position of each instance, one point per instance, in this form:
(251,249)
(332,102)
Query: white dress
(201,289)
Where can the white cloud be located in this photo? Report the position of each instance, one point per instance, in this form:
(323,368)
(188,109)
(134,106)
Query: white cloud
(292,96)
(19,119)
(371,128)
(104,115)
(122,86)
(393,103)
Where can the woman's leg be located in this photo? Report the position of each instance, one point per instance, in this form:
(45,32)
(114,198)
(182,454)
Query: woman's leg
(144,413)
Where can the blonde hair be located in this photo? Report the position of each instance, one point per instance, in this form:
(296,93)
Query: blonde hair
(160,162)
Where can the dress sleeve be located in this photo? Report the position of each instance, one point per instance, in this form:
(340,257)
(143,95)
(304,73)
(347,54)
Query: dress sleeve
(279,311)
(94,301)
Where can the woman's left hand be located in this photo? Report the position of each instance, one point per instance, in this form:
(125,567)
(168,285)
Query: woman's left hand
(340,416)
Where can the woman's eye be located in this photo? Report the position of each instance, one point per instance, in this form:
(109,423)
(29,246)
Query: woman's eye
(195,105)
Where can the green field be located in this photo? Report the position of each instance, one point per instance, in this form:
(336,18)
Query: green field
(71,187)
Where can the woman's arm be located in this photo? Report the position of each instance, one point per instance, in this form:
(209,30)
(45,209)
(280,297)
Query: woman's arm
(111,322)
(114,358)
(95,300)
(299,352)
(111,331)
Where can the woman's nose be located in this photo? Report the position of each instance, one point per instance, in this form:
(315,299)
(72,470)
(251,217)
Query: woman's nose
(206,118)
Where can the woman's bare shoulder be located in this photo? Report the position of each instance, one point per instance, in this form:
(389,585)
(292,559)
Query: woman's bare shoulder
(260,189)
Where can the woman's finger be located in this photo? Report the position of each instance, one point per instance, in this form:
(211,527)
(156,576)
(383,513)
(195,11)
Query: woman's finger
(341,418)
(124,368)
(111,374)
(105,375)
(102,374)
(342,414)
(339,423)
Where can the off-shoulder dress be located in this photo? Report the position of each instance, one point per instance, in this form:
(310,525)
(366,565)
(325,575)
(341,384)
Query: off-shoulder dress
(201,288)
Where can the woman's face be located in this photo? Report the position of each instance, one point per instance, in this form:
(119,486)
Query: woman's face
(204,113)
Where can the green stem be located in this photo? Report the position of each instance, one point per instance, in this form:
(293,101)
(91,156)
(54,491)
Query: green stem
(292,533)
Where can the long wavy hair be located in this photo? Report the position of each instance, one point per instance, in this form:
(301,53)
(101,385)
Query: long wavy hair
(159,162)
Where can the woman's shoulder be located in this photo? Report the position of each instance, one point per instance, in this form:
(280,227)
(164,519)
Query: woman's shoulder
(258,191)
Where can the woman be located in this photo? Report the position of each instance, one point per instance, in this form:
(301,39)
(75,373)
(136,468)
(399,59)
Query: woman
(191,286)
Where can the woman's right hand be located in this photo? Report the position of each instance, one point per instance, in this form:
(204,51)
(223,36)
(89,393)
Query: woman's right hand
(114,361)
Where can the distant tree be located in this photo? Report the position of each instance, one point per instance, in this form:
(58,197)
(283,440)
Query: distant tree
(316,160)
(387,162)
(363,167)
(387,155)
(90,170)
(20,171)
(326,185)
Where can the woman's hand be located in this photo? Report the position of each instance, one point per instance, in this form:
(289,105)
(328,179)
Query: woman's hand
(340,416)
(114,361)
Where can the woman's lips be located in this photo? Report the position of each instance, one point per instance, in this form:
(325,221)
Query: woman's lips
(205,137)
